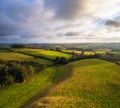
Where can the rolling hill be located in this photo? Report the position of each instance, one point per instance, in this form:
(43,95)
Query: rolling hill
(93,84)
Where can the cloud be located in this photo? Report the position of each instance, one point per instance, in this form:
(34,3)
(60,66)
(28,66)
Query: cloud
(65,9)
(113,23)
(58,20)
(73,9)
(72,34)
(7,26)
(20,17)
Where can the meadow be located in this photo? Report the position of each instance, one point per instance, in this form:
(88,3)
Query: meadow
(93,84)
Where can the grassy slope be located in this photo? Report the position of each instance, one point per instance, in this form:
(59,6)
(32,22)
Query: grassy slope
(94,84)
(46,53)
(21,57)
(15,95)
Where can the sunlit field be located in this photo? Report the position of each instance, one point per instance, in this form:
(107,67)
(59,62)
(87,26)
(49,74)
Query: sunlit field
(85,52)
(69,51)
(89,53)
(21,57)
(45,53)
(93,84)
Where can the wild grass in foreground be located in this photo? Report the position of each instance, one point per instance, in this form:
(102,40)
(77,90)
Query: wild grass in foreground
(94,84)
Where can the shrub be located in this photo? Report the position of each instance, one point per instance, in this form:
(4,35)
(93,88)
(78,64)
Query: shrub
(61,60)
(12,72)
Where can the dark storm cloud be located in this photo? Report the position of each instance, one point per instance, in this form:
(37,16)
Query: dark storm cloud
(6,29)
(68,34)
(18,11)
(7,26)
(65,9)
(72,34)
(113,23)
(20,17)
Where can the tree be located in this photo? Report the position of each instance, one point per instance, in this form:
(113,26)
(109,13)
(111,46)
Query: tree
(61,60)
(17,46)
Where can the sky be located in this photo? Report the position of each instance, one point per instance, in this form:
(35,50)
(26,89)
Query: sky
(59,21)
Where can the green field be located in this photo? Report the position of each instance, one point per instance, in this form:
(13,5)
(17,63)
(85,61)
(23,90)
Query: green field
(89,53)
(115,52)
(45,53)
(21,57)
(85,52)
(15,95)
(69,51)
(94,84)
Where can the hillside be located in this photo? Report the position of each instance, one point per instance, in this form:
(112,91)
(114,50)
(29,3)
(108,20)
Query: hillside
(94,84)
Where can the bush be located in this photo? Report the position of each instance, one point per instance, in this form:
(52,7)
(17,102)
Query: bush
(17,46)
(12,72)
(61,60)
